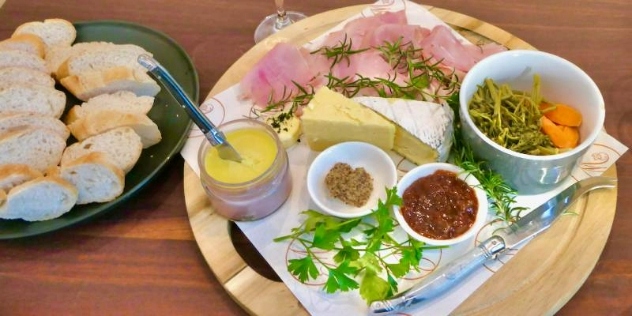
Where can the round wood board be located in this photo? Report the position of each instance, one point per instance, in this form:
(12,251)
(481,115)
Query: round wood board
(541,278)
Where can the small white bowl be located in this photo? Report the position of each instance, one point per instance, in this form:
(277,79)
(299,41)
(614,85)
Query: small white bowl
(426,170)
(357,154)
(561,82)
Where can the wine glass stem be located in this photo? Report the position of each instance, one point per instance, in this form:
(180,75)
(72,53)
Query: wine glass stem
(282,19)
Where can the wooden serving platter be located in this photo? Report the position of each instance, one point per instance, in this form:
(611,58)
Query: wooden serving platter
(541,277)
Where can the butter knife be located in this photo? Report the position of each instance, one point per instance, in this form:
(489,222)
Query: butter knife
(214,135)
(525,229)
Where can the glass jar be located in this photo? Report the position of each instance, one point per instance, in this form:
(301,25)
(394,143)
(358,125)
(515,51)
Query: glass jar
(252,199)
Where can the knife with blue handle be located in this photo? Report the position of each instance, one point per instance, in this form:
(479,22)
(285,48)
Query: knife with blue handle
(520,232)
(211,132)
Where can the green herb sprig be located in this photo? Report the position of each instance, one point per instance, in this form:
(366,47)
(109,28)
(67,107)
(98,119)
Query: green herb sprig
(372,263)
(502,197)
(426,80)
(339,52)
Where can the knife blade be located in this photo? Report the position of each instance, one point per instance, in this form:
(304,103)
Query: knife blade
(523,230)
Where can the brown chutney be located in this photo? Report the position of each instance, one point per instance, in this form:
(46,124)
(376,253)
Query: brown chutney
(439,206)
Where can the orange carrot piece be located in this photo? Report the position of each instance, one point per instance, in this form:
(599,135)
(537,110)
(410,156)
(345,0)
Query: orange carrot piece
(562,115)
(561,136)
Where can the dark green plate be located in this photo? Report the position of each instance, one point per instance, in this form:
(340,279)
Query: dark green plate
(170,117)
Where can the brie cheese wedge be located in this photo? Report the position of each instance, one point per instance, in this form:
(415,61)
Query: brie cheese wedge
(423,129)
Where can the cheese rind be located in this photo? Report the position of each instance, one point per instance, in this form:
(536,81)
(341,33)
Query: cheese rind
(424,129)
(331,118)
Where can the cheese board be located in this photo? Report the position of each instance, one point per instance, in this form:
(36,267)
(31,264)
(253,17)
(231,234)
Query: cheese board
(552,252)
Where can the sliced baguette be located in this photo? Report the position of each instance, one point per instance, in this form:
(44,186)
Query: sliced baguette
(95,177)
(122,101)
(122,146)
(25,76)
(18,58)
(100,60)
(103,121)
(54,32)
(37,148)
(93,83)
(57,56)
(10,122)
(27,43)
(40,199)
(21,98)
(14,175)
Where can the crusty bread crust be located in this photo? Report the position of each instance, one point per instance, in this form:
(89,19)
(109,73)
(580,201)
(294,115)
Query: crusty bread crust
(72,115)
(17,170)
(55,156)
(100,122)
(71,28)
(38,45)
(25,60)
(67,186)
(97,158)
(57,126)
(26,76)
(90,84)
(100,159)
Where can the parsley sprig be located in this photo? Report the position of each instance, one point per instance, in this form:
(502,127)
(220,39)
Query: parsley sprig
(367,257)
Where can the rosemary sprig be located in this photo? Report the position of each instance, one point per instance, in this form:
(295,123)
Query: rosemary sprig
(339,52)
(502,197)
(404,58)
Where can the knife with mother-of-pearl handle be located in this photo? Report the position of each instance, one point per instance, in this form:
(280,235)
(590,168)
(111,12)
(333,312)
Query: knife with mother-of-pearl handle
(523,230)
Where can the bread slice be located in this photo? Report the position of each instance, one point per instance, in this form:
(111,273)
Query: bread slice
(59,55)
(28,43)
(56,56)
(95,177)
(18,58)
(25,76)
(10,122)
(54,32)
(93,83)
(103,121)
(122,101)
(21,98)
(13,175)
(40,199)
(100,60)
(122,146)
(37,148)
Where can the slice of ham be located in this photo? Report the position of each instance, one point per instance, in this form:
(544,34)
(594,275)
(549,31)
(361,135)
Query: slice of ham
(277,70)
(442,45)
(393,32)
(356,30)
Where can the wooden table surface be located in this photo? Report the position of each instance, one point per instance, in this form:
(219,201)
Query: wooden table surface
(142,259)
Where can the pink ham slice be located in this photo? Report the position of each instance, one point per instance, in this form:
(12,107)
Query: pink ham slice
(442,45)
(393,32)
(357,29)
(277,70)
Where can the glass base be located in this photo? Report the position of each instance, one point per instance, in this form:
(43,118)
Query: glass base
(270,25)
